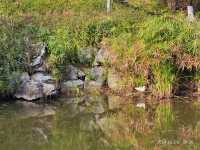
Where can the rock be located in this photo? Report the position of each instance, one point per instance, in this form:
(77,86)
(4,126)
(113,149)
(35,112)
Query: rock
(42,77)
(98,73)
(49,89)
(24,77)
(190,11)
(37,62)
(72,87)
(114,102)
(114,81)
(86,56)
(40,50)
(74,84)
(93,85)
(73,73)
(42,68)
(32,90)
(29,90)
(102,57)
(81,75)
(124,1)
(39,84)
(98,78)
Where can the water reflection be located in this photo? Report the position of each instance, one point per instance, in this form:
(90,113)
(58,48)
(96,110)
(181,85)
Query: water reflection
(100,122)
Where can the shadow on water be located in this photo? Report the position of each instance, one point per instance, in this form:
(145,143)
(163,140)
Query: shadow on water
(100,122)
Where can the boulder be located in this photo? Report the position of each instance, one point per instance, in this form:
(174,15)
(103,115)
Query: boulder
(39,84)
(42,77)
(49,89)
(40,53)
(102,57)
(32,90)
(87,55)
(93,85)
(98,73)
(73,73)
(114,81)
(72,87)
(24,77)
(97,79)
(37,62)
(42,68)
(29,90)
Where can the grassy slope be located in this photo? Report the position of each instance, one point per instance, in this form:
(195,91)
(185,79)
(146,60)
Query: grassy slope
(143,36)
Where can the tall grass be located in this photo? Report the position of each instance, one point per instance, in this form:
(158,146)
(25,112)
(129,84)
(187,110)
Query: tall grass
(164,79)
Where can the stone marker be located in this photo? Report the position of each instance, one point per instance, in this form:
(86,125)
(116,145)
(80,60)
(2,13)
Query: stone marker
(109,6)
(190,10)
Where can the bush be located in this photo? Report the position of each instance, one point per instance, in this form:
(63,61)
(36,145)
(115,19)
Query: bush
(164,79)
(11,53)
(165,32)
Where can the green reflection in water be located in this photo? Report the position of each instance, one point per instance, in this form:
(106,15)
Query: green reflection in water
(89,124)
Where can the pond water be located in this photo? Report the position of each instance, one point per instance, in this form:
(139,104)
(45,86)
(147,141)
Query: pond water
(100,122)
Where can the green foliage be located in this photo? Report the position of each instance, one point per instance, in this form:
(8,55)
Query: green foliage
(167,31)
(164,78)
(11,53)
(70,26)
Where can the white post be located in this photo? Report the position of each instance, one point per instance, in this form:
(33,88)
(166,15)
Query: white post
(190,10)
(125,1)
(109,6)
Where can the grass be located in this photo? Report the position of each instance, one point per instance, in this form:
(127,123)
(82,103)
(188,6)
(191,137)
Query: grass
(142,36)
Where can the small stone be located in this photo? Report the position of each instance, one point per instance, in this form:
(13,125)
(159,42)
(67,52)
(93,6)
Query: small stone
(114,81)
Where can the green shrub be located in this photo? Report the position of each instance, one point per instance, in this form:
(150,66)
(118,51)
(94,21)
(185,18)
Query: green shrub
(11,53)
(164,79)
(167,31)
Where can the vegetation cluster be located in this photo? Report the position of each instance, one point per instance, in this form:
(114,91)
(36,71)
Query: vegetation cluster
(153,45)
